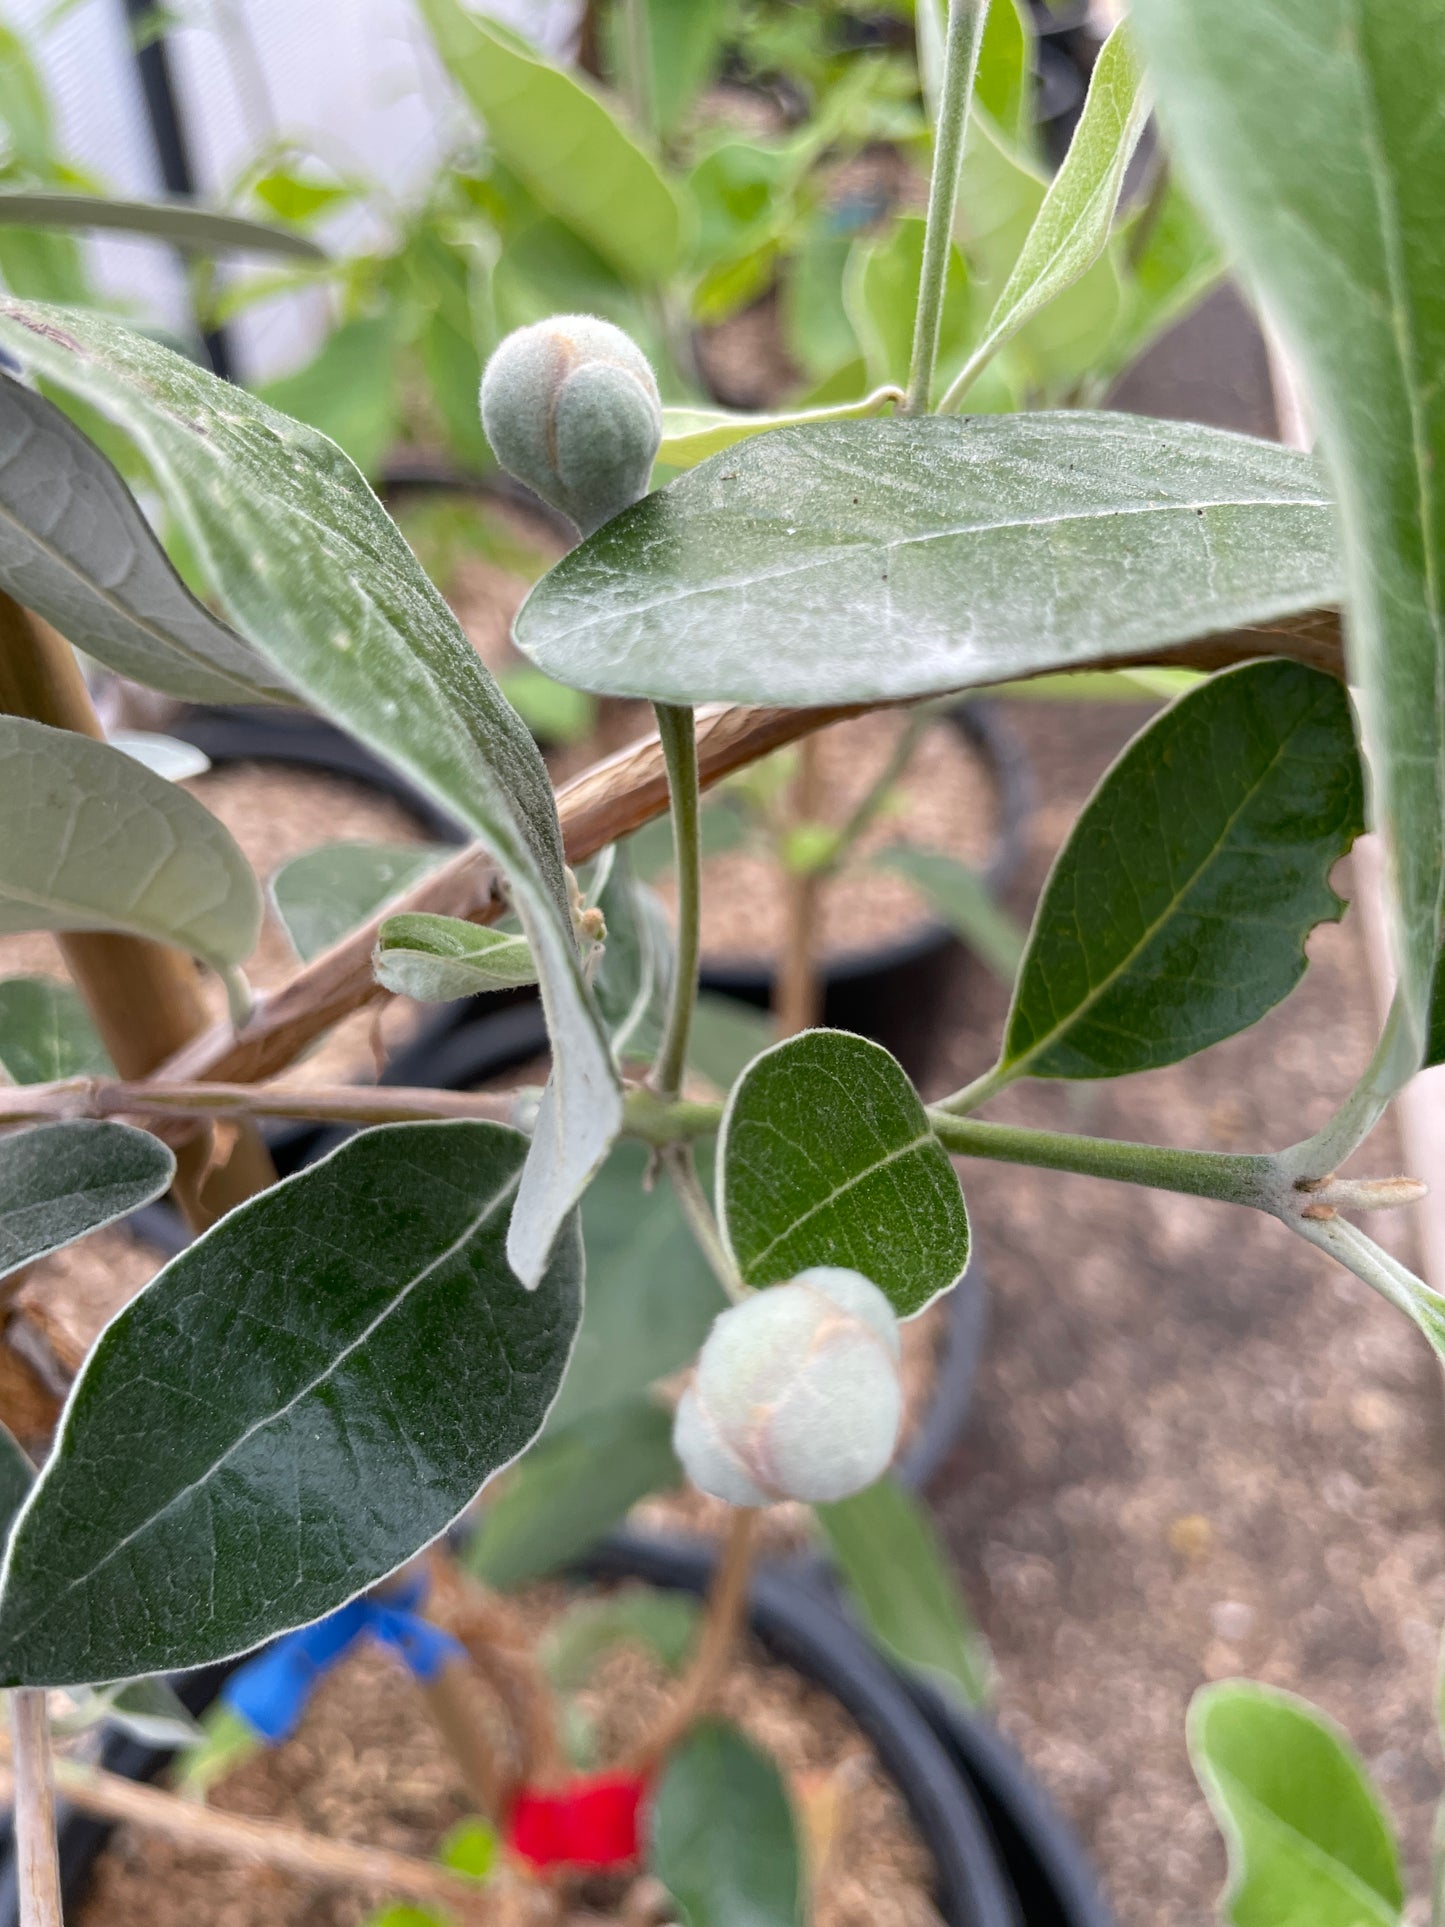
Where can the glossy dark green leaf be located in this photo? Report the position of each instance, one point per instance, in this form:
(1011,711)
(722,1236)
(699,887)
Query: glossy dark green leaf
(1176,914)
(75,548)
(320,579)
(958,894)
(93,841)
(852,561)
(563,141)
(721,1834)
(17,1475)
(1333,212)
(574,1486)
(293,1407)
(1308,1843)
(326,892)
(898,1579)
(181,223)
(651,1296)
(436,959)
(826,1157)
(633,978)
(60,1181)
(349,390)
(46,1033)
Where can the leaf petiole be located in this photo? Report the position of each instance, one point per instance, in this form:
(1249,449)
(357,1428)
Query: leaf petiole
(679,749)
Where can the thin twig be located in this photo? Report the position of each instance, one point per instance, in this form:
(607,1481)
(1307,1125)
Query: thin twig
(309,1856)
(726,1612)
(37,1862)
(681,1169)
(679,746)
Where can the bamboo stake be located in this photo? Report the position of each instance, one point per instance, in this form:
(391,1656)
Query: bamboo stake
(37,1863)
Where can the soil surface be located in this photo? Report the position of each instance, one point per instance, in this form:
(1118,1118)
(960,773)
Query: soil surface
(1198,1449)
(367,1765)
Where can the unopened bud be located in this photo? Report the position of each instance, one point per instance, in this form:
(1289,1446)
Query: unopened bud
(571,408)
(796,1395)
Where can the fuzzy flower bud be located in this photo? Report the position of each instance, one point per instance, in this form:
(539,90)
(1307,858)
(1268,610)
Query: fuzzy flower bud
(796,1395)
(570,407)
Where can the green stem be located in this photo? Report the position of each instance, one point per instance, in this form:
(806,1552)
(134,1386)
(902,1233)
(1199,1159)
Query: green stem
(876,795)
(1396,1283)
(679,749)
(1231,1178)
(978,1092)
(1391,1067)
(960,64)
(681,1169)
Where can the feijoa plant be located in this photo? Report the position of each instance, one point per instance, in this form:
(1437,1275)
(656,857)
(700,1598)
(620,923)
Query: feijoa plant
(307,1398)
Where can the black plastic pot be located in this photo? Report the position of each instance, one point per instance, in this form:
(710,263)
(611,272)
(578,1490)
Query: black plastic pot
(892,992)
(1003,1856)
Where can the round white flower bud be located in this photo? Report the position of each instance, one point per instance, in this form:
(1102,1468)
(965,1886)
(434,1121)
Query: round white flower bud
(796,1395)
(570,407)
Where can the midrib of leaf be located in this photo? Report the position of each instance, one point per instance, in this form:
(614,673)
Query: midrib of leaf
(821,1204)
(1402,328)
(1015,1066)
(259,1425)
(162,637)
(1369,1897)
(894,543)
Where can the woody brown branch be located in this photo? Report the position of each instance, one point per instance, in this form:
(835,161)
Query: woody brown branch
(605,802)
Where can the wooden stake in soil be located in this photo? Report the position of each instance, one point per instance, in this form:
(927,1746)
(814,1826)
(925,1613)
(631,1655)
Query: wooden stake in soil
(37,1864)
(144,998)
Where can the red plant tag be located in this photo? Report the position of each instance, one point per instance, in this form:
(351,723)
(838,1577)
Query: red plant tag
(587,1823)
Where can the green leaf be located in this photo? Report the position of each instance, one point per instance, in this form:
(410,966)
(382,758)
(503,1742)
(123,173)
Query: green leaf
(469,1847)
(726,1036)
(1174,259)
(435,959)
(574,1486)
(880,293)
(60,1181)
(662,1623)
(348,390)
(46,1033)
(553,712)
(721,1834)
(326,892)
(902,558)
(1004,82)
(295,197)
(690,435)
(17,1475)
(806,1180)
(75,548)
(957,893)
(180,223)
(1332,210)
(292,1408)
(1176,914)
(563,142)
(651,1296)
(96,842)
(633,979)
(897,1574)
(1072,226)
(271,508)
(1308,1843)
